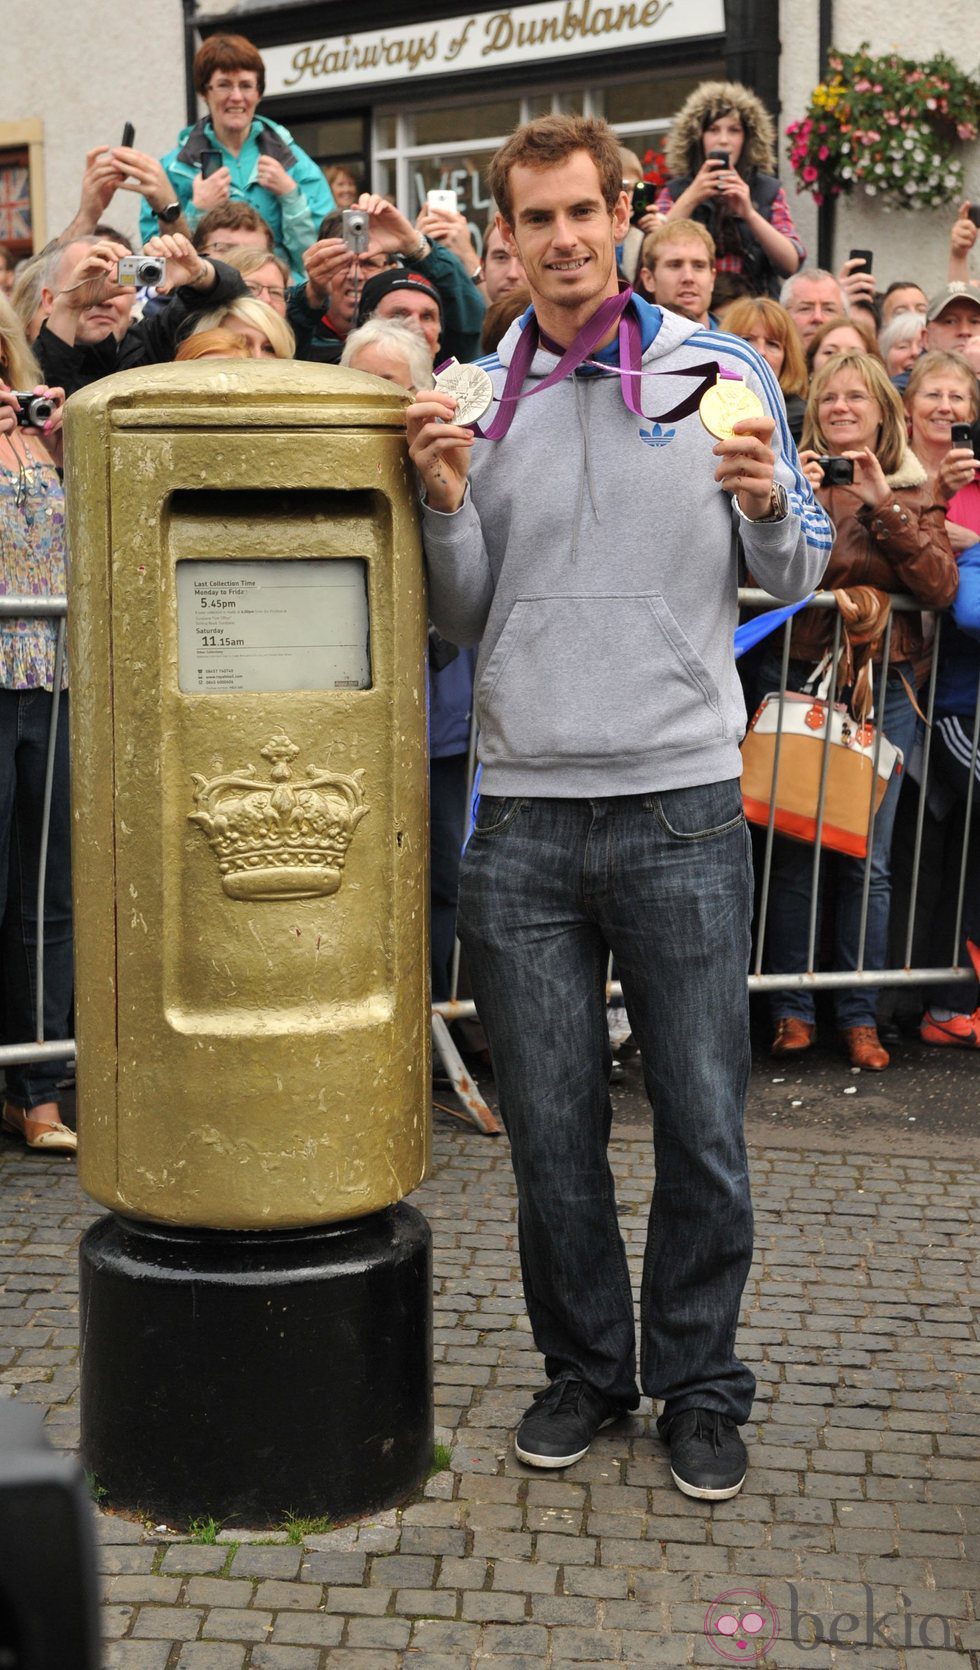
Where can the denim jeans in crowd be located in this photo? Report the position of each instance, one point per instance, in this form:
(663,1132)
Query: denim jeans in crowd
(790,891)
(547,889)
(24,719)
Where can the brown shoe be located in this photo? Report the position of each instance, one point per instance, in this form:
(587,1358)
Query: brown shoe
(792,1036)
(864,1048)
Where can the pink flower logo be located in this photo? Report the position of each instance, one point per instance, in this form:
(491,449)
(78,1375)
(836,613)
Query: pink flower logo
(741,1625)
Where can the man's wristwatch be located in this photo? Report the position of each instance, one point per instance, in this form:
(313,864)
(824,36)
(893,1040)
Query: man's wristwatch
(778,506)
(421,250)
(169,213)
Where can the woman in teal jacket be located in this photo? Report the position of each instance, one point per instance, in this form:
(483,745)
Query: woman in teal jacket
(260,163)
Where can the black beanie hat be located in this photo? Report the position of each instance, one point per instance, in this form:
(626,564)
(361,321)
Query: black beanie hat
(394,278)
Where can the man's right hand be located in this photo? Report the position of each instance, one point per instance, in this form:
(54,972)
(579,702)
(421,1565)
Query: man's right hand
(439,449)
(92,279)
(210,193)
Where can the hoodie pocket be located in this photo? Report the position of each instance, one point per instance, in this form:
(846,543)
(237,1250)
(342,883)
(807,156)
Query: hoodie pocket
(593,678)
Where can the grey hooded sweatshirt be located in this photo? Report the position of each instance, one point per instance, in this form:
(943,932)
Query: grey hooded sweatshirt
(592,559)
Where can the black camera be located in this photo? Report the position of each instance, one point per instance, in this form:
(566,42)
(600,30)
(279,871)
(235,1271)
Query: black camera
(35,409)
(837,472)
(973,213)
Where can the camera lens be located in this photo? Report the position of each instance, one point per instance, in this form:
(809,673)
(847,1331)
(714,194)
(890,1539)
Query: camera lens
(39,410)
(150,272)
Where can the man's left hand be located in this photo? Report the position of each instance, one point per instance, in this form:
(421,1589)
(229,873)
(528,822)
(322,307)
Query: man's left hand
(389,228)
(747,465)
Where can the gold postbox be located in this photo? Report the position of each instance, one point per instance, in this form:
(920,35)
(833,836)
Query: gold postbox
(247,634)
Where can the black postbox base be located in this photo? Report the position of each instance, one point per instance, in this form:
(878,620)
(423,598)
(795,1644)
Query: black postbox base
(244,1377)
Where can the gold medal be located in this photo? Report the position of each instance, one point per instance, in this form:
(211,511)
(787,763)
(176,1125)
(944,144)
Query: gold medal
(725,404)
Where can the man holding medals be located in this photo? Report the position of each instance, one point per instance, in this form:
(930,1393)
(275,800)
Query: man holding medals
(583,536)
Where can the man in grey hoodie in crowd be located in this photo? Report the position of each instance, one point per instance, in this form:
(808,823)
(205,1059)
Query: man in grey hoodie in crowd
(589,551)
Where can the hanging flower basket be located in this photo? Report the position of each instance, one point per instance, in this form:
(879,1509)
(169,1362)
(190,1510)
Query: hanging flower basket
(888,125)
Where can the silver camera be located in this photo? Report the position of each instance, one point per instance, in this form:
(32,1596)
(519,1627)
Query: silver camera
(355,230)
(35,409)
(141,271)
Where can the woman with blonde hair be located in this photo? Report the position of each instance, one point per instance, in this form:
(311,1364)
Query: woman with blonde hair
(213,345)
(266,335)
(890,537)
(772,332)
(32,563)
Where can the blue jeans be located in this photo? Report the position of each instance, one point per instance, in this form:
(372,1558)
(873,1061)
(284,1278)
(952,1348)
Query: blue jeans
(788,918)
(547,889)
(24,719)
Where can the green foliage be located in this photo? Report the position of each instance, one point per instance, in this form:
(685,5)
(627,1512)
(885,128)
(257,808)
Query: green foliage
(888,125)
(297,1527)
(442,1457)
(204,1530)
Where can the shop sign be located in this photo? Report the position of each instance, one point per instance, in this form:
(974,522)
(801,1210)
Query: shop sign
(485,41)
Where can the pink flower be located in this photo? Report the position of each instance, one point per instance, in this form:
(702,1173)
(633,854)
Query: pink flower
(810,174)
(965,130)
(862,86)
(818,198)
(823,153)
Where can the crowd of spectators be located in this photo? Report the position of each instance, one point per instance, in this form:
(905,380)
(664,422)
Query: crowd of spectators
(259,262)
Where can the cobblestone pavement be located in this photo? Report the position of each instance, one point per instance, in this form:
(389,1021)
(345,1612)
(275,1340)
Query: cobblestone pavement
(859,1518)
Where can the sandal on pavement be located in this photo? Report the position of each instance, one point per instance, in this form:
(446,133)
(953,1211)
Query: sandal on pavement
(45,1131)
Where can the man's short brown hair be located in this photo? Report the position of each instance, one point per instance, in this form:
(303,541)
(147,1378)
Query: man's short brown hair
(226,52)
(551,140)
(674,232)
(233,217)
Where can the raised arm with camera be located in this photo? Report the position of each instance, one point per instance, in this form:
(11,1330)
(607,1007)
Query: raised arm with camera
(87,333)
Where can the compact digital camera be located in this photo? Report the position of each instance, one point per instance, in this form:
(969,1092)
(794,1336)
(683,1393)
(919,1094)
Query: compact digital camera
(35,409)
(142,271)
(355,231)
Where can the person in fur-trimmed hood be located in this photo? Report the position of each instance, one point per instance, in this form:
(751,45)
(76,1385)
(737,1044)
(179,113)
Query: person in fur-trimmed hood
(721,155)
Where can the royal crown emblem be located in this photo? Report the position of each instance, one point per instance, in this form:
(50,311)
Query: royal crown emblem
(281,839)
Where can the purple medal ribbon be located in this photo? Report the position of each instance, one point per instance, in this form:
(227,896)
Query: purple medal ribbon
(614,310)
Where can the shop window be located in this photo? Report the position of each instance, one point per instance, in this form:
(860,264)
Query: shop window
(15,201)
(655,99)
(465,123)
(336,140)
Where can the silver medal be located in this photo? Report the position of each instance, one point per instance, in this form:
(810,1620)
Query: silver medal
(471,386)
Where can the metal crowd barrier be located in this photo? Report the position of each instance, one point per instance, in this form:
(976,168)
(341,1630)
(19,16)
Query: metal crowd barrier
(458,1008)
(38,1049)
(906,975)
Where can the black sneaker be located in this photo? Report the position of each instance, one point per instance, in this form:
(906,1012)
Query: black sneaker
(707,1456)
(562,1422)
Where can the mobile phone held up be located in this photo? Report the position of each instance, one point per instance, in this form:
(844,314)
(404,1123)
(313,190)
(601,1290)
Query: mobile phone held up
(445,201)
(211,161)
(644,195)
(973,213)
(965,435)
(865,257)
(355,230)
(129,134)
